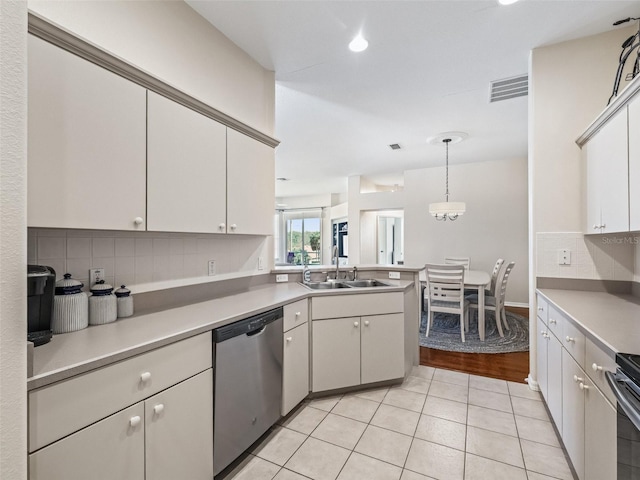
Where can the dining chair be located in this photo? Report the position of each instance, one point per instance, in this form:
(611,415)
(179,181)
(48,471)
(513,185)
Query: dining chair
(494,278)
(495,303)
(445,294)
(465,261)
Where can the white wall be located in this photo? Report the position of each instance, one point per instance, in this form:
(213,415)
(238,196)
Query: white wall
(494,225)
(13,232)
(171,41)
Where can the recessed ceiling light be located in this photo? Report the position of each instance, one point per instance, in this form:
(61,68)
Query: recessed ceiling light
(358,44)
(506,2)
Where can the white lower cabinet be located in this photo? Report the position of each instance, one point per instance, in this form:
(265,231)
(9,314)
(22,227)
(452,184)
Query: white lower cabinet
(168,436)
(571,377)
(109,449)
(179,431)
(357,350)
(295,367)
(381,347)
(573,412)
(600,435)
(336,353)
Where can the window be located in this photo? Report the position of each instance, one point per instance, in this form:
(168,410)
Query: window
(301,237)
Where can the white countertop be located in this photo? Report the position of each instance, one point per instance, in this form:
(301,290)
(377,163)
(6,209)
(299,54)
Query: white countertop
(78,352)
(611,319)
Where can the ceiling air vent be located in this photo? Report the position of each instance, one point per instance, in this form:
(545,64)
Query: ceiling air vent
(509,88)
(394,146)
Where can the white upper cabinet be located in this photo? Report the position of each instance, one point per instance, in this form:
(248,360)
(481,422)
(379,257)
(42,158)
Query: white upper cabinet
(634,164)
(250,185)
(607,178)
(186,169)
(86,144)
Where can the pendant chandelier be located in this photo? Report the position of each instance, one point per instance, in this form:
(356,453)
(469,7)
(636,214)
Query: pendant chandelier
(447,210)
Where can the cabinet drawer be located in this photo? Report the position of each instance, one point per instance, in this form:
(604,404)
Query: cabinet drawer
(356,305)
(574,341)
(597,362)
(65,407)
(542,309)
(295,314)
(555,321)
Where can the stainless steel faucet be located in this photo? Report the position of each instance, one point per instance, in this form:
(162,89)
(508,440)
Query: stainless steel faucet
(355,273)
(334,254)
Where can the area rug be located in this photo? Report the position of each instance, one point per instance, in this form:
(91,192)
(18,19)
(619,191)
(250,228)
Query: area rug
(445,334)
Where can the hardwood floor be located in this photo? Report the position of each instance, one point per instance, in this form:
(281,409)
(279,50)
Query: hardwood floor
(505,366)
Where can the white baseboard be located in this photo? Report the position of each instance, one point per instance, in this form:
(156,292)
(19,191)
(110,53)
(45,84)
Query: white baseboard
(517,304)
(533,385)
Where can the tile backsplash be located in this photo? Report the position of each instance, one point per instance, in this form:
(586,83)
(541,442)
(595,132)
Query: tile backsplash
(597,257)
(133,258)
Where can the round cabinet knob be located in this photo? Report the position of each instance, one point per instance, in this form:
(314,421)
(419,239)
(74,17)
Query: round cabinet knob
(135,421)
(595,367)
(297,314)
(551,320)
(289,339)
(145,377)
(138,220)
(158,409)
(222,226)
(543,333)
(595,227)
(583,386)
(355,324)
(604,225)
(366,323)
(540,309)
(570,339)
(233,226)
(577,379)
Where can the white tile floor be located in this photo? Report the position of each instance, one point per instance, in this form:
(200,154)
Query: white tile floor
(438,424)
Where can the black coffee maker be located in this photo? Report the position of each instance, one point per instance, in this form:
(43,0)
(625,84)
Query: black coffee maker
(41,282)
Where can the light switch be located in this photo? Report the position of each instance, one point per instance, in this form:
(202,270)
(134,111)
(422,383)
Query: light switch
(564,256)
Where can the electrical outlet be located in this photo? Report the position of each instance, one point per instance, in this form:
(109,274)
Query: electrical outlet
(283,277)
(95,275)
(394,275)
(260,263)
(564,256)
(212,267)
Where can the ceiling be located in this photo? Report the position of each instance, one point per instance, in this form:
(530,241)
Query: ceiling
(427,70)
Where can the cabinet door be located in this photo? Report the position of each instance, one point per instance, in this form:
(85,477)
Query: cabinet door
(573,412)
(554,379)
(86,143)
(295,367)
(541,358)
(111,448)
(250,185)
(590,160)
(186,163)
(381,347)
(179,431)
(634,165)
(335,353)
(608,176)
(600,435)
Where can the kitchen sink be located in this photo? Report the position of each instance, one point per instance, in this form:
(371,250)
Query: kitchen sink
(345,284)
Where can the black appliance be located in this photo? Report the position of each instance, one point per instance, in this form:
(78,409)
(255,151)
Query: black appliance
(625,384)
(41,282)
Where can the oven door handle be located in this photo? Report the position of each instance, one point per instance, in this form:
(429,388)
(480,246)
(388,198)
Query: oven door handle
(623,398)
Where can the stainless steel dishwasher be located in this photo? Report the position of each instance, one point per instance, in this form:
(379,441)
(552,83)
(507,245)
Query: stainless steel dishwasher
(248,383)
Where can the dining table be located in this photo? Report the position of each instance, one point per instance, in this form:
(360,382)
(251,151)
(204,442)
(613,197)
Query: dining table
(473,280)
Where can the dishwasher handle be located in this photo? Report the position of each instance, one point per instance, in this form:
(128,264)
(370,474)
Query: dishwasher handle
(626,401)
(248,326)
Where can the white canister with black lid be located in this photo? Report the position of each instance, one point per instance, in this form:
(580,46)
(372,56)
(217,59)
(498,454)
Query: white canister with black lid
(125,302)
(102,304)
(70,306)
